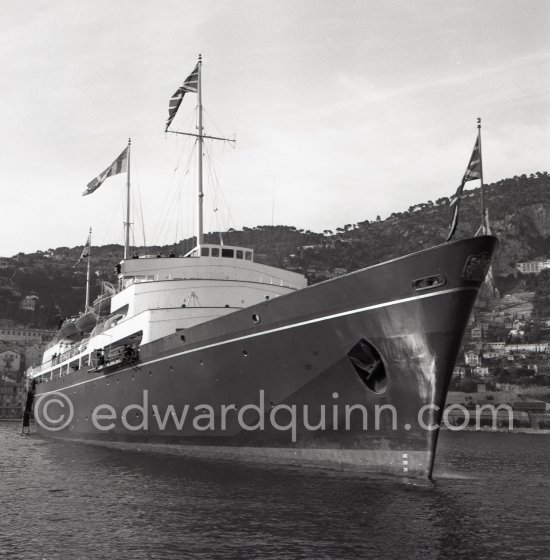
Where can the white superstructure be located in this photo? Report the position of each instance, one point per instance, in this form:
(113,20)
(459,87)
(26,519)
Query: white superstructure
(159,296)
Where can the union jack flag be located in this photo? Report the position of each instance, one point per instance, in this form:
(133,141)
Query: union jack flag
(120,165)
(190,84)
(473,171)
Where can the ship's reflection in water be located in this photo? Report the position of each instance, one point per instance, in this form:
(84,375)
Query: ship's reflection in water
(68,500)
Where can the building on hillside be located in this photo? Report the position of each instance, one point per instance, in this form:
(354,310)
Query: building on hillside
(11,361)
(12,397)
(533,267)
(477,332)
(529,406)
(339,271)
(491,355)
(459,372)
(496,346)
(28,303)
(12,388)
(481,371)
(471,358)
(540,348)
(22,335)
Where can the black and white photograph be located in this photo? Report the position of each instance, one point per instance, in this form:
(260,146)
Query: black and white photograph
(275,279)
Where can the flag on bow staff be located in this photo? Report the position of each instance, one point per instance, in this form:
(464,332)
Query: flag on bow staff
(120,165)
(191,84)
(473,171)
(85,251)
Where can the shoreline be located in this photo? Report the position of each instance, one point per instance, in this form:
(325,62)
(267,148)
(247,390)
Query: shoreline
(542,431)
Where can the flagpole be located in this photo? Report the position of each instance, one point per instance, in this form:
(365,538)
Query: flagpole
(88,272)
(127,223)
(200,139)
(175,101)
(483,213)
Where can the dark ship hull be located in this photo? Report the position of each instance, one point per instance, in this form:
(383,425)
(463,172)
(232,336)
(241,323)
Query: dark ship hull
(354,371)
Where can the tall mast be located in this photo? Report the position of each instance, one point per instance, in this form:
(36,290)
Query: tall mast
(88,272)
(188,85)
(200,139)
(484,222)
(127,222)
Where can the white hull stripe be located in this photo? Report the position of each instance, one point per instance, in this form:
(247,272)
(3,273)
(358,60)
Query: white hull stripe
(278,329)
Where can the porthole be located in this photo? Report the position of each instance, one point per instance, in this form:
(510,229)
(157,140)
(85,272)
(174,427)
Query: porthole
(245,353)
(256,318)
(429,282)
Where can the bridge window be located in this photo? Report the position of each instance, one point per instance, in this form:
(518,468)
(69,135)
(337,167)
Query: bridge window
(248,255)
(205,251)
(239,254)
(227,253)
(215,252)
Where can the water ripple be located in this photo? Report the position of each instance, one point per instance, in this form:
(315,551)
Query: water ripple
(64,500)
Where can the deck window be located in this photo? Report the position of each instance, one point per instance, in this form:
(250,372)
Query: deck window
(205,251)
(248,255)
(239,254)
(215,252)
(228,253)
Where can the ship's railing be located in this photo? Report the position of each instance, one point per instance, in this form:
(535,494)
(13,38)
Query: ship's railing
(71,353)
(58,360)
(261,279)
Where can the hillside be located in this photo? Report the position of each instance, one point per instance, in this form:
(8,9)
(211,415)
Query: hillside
(519,214)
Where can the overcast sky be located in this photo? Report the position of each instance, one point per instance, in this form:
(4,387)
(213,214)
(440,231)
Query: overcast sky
(342,110)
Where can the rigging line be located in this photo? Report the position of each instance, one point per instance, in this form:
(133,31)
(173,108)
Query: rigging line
(216,127)
(188,120)
(180,206)
(168,195)
(181,147)
(227,208)
(179,218)
(175,209)
(175,185)
(141,217)
(191,205)
(216,206)
(165,232)
(176,203)
(211,199)
(137,204)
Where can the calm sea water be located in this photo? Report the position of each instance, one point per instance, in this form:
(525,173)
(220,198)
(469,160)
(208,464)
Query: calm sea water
(63,500)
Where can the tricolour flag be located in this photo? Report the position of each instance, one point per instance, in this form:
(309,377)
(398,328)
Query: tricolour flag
(473,171)
(120,165)
(191,84)
(85,251)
